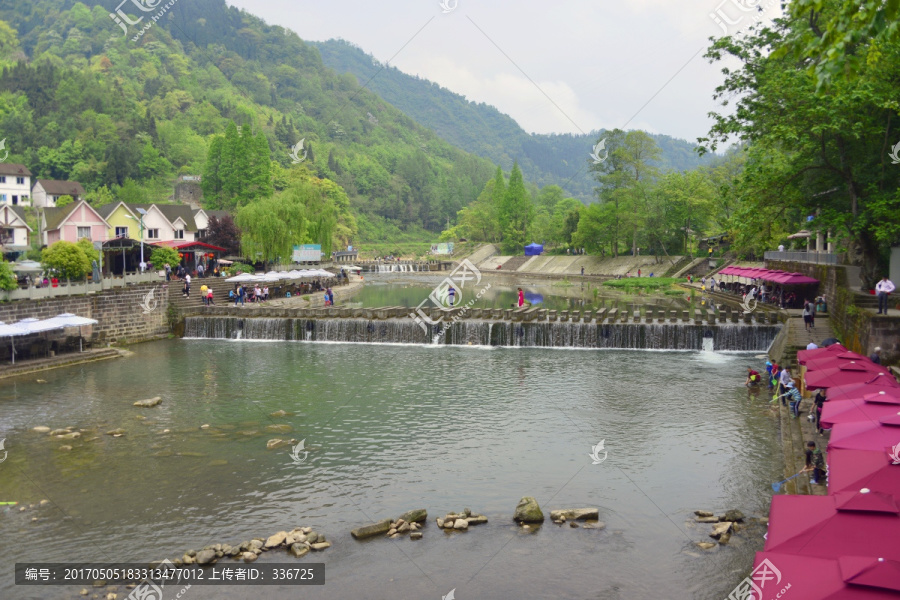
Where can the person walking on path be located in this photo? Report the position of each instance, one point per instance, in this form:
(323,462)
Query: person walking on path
(521,298)
(807,316)
(203,290)
(209,297)
(882,289)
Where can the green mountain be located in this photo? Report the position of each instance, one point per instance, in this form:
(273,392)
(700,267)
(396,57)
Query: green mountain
(483,130)
(125,109)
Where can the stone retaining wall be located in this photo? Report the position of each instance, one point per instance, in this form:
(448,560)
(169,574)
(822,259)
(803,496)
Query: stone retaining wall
(121,316)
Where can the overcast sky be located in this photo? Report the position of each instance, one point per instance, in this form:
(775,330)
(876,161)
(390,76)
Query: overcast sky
(563,66)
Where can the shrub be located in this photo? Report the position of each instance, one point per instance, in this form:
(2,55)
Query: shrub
(66,260)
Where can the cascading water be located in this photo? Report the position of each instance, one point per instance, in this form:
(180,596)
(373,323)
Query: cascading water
(657,336)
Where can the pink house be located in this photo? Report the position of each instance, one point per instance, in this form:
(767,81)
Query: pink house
(71,223)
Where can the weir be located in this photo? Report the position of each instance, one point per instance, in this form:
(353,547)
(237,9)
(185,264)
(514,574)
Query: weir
(482,332)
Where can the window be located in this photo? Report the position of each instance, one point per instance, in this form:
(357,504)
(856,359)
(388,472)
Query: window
(153,234)
(121,232)
(15,200)
(2,197)
(2,178)
(179,234)
(25,199)
(7,236)
(201,233)
(20,180)
(84,232)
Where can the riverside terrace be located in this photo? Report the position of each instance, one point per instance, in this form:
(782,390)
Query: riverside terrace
(725,329)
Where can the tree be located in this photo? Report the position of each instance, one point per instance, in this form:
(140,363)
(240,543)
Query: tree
(825,156)
(515,213)
(224,233)
(163,255)
(64,201)
(8,279)
(843,35)
(87,246)
(66,259)
(271,227)
(99,197)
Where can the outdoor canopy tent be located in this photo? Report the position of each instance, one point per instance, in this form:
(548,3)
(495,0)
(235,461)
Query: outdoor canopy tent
(70,320)
(769,275)
(857,469)
(880,383)
(863,435)
(852,411)
(279,275)
(857,372)
(841,578)
(533,250)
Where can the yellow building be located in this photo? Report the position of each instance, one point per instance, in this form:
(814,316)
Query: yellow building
(122,221)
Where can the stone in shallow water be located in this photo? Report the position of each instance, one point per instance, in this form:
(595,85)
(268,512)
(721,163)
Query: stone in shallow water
(528,511)
(299,550)
(41,429)
(149,402)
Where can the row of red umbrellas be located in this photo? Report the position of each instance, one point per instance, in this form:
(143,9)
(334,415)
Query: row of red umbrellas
(774,276)
(846,545)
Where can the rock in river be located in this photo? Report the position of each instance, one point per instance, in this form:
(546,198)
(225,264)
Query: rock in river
(367,531)
(205,557)
(528,511)
(575,514)
(149,402)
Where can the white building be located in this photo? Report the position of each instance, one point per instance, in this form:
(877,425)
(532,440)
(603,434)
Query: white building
(15,185)
(47,191)
(14,229)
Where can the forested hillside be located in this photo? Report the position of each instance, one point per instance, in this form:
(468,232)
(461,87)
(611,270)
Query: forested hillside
(483,130)
(81,100)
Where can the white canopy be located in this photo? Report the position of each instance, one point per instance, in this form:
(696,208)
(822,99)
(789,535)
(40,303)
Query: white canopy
(70,320)
(11,330)
(279,275)
(38,326)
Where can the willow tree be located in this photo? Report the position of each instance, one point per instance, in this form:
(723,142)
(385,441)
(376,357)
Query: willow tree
(271,227)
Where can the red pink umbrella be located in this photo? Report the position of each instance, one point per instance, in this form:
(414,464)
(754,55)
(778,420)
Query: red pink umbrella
(805,355)
(881,383)
(870,469)
(835,360)
(847,523)
(842,578)
(848,411)
(856,372)
(864,435)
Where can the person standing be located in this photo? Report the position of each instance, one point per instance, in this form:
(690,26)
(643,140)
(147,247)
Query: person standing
(242,293)
(876,355)
(168,272)
(785,383)
(815,463)
(582,271)
(639,272)
(818,404)
(203,290)
(882,289)
(200,269)
(187,286)
(521,298)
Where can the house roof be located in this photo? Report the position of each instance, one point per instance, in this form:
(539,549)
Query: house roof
(14,169)
(55,216)
(57,187)
(210,213)
(172,212)
(19,212)
(108,209)
(181,245)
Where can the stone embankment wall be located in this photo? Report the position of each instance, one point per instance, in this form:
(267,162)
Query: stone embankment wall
(120,312)
(857,325)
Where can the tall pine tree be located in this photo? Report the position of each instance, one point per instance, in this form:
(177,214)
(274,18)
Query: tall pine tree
(515,213)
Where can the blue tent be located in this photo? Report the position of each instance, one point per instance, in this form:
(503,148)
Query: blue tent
(533,250)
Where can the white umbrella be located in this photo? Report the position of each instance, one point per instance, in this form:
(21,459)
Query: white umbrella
(11,331)
(70,320)
(27,266)
(33,325)
(242,277)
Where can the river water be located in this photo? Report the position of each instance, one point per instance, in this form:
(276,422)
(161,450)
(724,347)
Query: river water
(390,428)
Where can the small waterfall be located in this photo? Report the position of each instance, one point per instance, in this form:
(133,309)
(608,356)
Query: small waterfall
(655,336)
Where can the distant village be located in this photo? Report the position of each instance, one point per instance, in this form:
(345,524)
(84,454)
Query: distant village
(117,226)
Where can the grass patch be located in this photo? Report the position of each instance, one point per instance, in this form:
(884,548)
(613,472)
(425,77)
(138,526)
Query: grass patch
(632,284)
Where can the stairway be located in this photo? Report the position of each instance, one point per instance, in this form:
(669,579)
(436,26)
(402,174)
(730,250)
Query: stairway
(219,286)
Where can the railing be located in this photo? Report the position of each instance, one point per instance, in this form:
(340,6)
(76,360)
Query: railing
(80,288)
(819,258)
